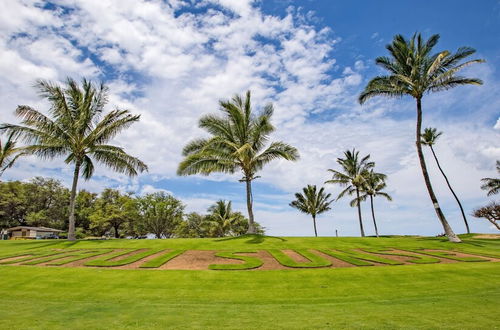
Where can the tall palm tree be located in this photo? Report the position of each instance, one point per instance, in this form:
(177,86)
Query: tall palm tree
(372,187)
(77,128)
(352,176)
(492,184)
(237,142)
(414,71)
(312,202)
(221,217)
(429,138)
(9,153)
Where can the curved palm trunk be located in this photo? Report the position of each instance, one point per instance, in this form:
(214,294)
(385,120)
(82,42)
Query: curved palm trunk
(251,226)
(446,226)
(314,222)
(71,226)
(373,216)
(451,189)
(359,215)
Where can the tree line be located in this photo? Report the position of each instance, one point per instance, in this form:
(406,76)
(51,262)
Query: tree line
(44,202)
(77,128)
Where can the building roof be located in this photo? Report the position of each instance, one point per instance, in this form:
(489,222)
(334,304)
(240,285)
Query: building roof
(45,229)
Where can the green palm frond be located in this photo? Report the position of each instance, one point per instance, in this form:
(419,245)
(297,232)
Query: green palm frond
(312,201)
(492,185)
(237,142)
(430,136)
(413,70)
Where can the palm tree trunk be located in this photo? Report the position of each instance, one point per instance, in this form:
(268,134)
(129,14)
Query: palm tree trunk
(453,192)
(251,226)
(373,216)
(446,226)
(314,222)
(71,227)
(359,215)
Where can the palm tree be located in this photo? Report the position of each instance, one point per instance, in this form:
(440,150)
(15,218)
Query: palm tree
(429,138)
(414,71)
(372,187)
(237,142)
(9,153)
(352,177)
(312,202)
(492,184)
(221,217)
(76,130)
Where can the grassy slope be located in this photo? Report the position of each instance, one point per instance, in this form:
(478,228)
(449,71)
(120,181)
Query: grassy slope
(461,295)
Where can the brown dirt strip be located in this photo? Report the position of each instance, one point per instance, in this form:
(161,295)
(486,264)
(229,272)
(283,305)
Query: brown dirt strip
(81,262)
(296,256)
(269,263)
(460,255)
(336,263)
(197,260)
(488,236)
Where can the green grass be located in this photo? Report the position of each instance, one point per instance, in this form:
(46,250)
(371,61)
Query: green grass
(107,260)
(413,258)
(462,295)
(249,262)
(81,254)
(162,259)
(449,255)
(315,261)
(359,258)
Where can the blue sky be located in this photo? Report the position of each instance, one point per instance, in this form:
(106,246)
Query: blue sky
(171,61)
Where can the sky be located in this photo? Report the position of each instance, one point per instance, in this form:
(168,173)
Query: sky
(172,61)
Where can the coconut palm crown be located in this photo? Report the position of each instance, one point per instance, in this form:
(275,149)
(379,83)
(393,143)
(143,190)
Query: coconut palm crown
(9,153)
(429,138)
(78,129)
(352,177)
(237,143)
(312,202)
(372,187)
(414,70)
(492,185)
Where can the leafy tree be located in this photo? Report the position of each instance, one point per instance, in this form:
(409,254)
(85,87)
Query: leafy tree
(372,187)
(47,203)
(14,204)
(160,213)
(112,210)
(84,206)
(237,142)
(9,153)
(312,202)
(194,225)
(490,212)
(352,177)
(78,129)
(414,71)
(492,184)
(429,138)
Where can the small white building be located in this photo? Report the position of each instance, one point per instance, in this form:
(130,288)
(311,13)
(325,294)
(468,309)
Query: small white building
(20,232)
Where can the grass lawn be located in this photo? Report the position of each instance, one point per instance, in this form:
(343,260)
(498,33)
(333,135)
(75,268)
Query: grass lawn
(461,295)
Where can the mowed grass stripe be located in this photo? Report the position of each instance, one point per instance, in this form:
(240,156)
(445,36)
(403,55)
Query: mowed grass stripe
(315,261)
(250,262)
(107,261)
(411,257)
(358,258)
(84,254)
(162,259)
(449,255)
(30,256)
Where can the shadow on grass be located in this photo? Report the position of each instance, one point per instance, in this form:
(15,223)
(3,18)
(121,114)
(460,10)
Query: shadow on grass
(251,238)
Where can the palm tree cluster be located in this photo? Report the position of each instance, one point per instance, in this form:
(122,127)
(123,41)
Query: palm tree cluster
(78,128)
(413,70)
